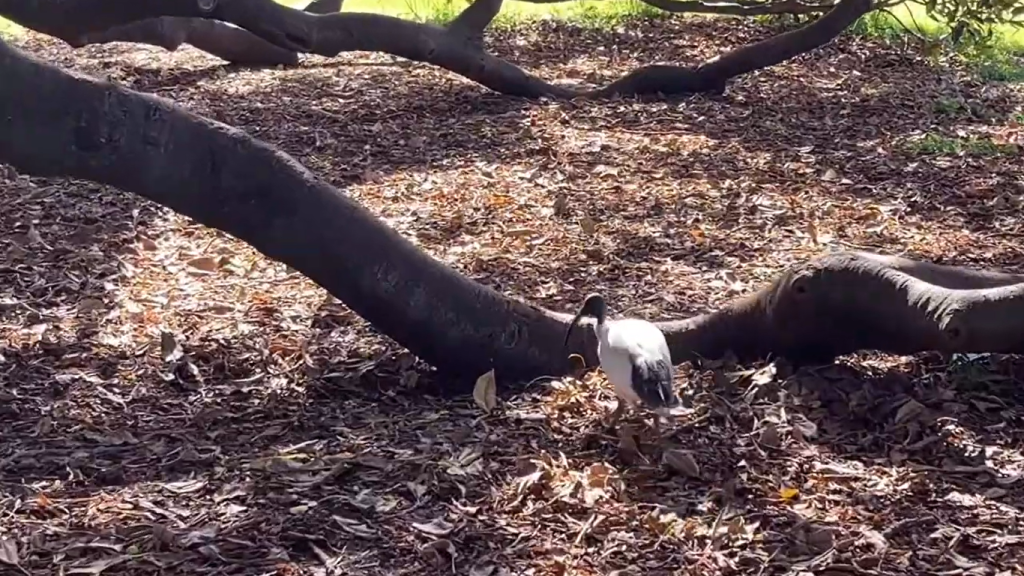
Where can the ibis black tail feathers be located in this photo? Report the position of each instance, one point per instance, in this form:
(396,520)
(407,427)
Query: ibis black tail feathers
(652,382)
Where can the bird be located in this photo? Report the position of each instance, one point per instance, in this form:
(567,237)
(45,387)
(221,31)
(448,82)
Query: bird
(634,356)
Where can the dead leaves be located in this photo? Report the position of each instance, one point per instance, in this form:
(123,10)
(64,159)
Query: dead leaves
(9,554)
(441,552)
(681,462)
(910,410)
(436,527)
(485,391)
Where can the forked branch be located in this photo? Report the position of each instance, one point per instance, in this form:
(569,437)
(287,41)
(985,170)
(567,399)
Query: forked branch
(456,48)
(472,22)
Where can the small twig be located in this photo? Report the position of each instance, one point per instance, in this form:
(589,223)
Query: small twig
(587,526)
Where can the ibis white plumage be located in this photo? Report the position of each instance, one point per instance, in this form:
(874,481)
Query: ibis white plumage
(634,356)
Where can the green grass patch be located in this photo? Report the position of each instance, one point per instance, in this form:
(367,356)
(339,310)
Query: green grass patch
(1002,68)
(893,25)
(937,145)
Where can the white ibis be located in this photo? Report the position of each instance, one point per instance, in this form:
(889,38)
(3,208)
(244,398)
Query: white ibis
(635,357)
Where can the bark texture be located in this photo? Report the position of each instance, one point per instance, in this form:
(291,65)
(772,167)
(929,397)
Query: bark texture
(457,47)
(56,124)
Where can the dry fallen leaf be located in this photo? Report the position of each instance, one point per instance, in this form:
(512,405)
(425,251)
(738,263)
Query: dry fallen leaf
(9,552)
(820,539)
(803,428)
(788,493)
(681,461)
(910,410)
(435,548)
(769,436)
(485,391)
(436,527)
(204,264)
(98,566)
(588,225)
(170,348)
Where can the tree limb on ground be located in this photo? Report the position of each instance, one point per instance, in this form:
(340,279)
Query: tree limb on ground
(457,47)
(57,124)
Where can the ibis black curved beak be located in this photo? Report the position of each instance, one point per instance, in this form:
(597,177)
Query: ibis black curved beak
(568,332)
(594,307)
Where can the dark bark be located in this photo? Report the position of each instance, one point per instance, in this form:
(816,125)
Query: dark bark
(55,124)
(236,45)
(457,47)
(323,7)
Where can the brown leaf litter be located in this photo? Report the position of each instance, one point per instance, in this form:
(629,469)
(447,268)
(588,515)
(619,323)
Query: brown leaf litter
(171,400)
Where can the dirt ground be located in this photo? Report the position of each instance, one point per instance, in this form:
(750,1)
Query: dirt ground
(271,431)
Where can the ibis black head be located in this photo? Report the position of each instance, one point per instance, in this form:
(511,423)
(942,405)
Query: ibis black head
(593,307)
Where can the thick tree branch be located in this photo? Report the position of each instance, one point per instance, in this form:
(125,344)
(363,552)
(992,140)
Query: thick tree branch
(323,7)
(222,40)
(52,123)
(329,35)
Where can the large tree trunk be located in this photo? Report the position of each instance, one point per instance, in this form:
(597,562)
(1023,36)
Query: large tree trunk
(457,47)
(56,124)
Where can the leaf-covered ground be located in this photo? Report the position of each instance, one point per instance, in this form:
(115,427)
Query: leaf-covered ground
(271,431)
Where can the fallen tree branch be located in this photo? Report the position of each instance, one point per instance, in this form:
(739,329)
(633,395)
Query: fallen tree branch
(224,41)
(56,124)
(456,48)
(739,8)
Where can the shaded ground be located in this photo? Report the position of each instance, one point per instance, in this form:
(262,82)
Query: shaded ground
(304,443)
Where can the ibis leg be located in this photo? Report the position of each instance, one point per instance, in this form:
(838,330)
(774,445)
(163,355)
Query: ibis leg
(620,407)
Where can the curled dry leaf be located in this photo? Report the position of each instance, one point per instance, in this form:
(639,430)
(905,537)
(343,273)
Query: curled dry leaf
(204,264)
(485,391)
(434,550)
(436,527)
(803,429)
(170,348)
(681,461)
